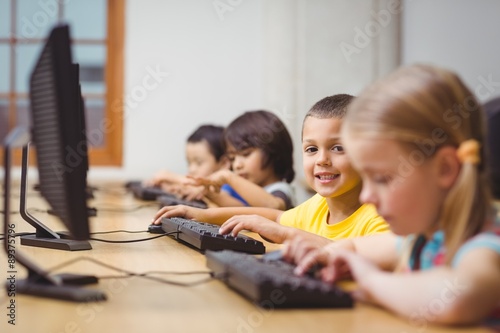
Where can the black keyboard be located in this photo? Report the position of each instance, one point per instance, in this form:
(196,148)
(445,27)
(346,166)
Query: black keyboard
(149,193)
(205,236)
(171,200)
(272,284)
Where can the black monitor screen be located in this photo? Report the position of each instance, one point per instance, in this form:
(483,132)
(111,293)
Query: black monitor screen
(56,132)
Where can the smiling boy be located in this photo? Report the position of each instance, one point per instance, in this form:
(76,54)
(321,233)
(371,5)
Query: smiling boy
(335,212)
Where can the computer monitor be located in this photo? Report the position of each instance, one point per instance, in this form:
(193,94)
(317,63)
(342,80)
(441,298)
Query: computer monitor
(56,133)
(492,109)
(82,148)
(56,119)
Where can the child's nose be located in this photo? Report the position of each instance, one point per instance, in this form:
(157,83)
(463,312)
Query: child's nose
(237,163)
(191,170)
(323,158)
(367,195)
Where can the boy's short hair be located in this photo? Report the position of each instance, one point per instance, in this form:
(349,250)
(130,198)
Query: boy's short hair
(264,130)
(214,136)
(330,107)
(334,106)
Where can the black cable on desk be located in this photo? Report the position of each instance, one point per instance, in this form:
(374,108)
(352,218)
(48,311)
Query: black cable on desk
(119,209)
(18,234)
(133,240)
(145,275)
(117,231)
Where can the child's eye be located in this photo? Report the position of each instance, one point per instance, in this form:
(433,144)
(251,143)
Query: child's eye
(246,152)
(338,148)
(310,149)
(381,179)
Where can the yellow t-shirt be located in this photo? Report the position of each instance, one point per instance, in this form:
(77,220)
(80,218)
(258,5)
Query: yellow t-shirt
(312,216)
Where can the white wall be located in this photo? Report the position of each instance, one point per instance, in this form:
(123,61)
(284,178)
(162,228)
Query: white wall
(461,35)
(280,55)
(213,71)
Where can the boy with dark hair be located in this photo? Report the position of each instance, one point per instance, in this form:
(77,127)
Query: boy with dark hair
(335,212)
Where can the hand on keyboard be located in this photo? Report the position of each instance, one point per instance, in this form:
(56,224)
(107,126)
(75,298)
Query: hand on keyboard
(267,229)
(205,236)
(273,281)
(187,212)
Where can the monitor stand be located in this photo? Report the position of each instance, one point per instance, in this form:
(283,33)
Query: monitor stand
(38,282)
(44,236)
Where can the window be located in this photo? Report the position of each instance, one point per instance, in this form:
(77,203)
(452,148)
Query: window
(97,29)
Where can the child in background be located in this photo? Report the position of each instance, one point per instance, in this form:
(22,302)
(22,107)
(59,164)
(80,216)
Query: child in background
(417,139)
(205,154)
(260,150)
(333,213)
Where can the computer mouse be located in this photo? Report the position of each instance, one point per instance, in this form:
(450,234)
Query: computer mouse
(155,229)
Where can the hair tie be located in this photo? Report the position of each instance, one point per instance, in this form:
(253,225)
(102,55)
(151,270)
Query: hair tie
(468,152)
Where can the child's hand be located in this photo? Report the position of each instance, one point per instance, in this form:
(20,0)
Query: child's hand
(339,263)
(165,177)
(178,211)
(171,188)
(190,192)
(207,183)
(296,248)
(195,193)
(213,182)
(267,229)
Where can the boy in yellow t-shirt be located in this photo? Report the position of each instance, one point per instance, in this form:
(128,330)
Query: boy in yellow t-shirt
(312,214)
(335,212)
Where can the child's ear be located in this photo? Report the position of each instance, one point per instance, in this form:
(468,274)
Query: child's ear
(447,166)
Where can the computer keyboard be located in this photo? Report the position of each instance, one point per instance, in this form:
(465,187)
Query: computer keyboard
(205,236)
(151,193)
(171,200)
(148,193)
(272,284)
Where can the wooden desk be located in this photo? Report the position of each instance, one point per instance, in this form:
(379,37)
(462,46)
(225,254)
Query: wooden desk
(140,305)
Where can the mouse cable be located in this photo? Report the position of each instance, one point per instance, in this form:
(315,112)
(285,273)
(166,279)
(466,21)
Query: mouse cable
(145,275)
(117,231)
(133,240)
(18,234)
(2,236)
